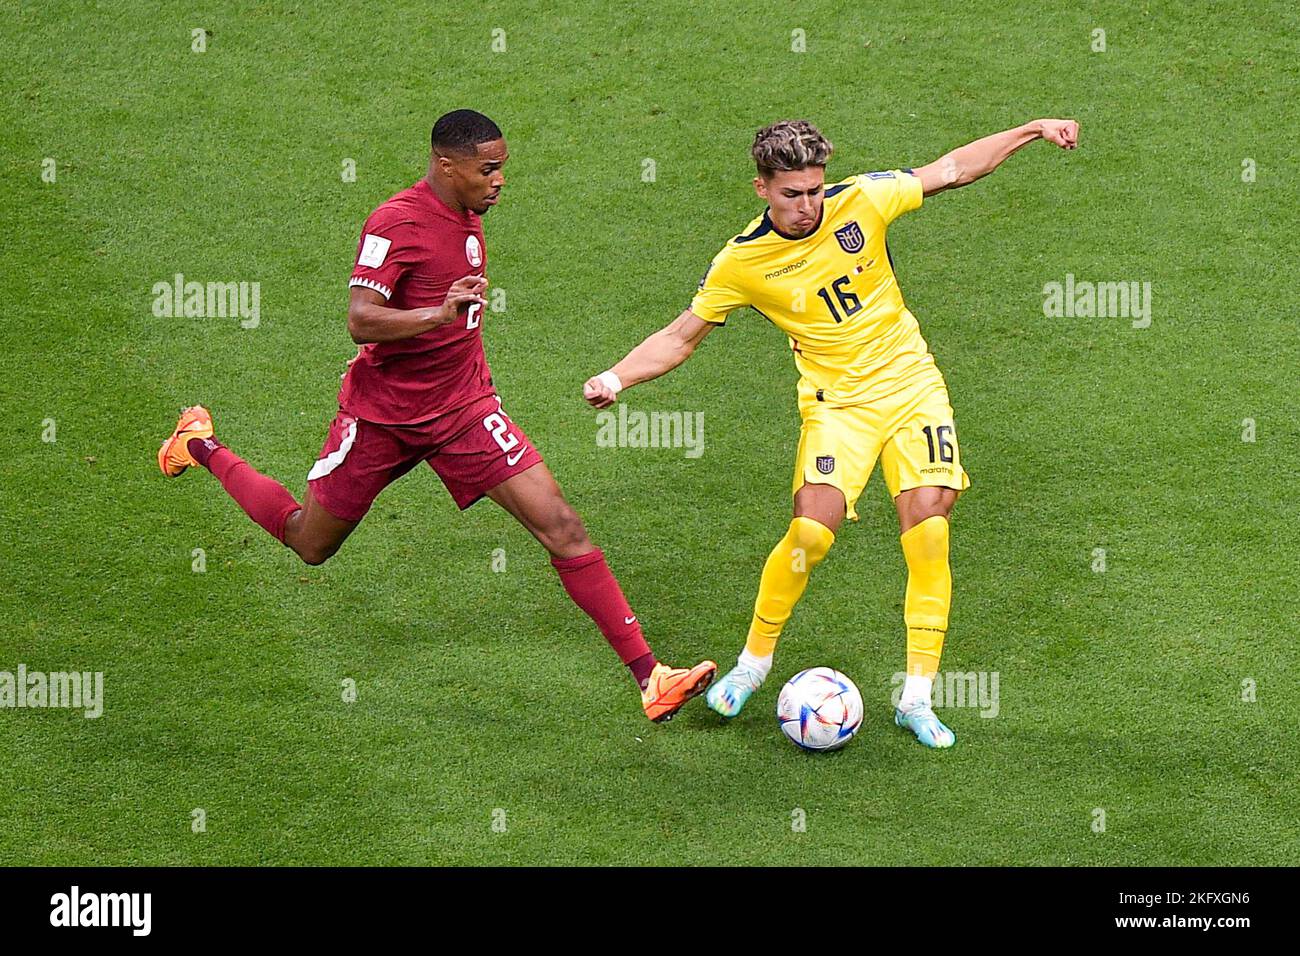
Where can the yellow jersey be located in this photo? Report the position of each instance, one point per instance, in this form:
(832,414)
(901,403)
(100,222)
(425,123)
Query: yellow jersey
(832,292)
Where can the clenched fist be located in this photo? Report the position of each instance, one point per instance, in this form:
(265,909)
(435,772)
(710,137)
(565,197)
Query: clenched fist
(599,391)
(1064,133)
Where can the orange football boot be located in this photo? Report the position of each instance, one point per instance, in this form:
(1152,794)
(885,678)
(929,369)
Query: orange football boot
(669,688)
(173,456)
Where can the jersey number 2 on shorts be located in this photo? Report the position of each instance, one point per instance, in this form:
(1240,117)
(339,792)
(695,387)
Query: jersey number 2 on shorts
(500,430)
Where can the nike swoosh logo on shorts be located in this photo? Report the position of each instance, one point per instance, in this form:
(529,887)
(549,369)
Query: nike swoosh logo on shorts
(630,620)
(513,460)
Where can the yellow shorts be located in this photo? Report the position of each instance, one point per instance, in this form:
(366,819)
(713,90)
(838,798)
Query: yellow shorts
(911,432)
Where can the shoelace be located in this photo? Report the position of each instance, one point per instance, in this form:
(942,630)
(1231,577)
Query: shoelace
(745,675)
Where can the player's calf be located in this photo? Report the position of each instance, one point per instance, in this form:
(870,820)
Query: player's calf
(534,498)
(925,605)
(785,576)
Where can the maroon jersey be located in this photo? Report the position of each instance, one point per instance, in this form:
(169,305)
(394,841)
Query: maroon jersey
(412,249)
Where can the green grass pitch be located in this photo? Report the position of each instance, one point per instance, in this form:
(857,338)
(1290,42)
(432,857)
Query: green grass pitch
(478,692)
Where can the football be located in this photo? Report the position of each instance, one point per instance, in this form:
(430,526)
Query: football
(819,709)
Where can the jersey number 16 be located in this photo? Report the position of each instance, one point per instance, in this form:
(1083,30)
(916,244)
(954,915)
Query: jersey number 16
(849,303)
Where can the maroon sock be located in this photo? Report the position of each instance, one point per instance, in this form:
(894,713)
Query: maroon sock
(641,669)
(593,587)
(201,449)
(264,499)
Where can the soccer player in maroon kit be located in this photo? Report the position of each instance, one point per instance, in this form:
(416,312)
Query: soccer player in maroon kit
(420,389)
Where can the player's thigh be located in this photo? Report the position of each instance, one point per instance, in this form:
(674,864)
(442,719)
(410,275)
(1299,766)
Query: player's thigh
(922,452)
(490,455)
(477,448)
(358,461)
(838,448)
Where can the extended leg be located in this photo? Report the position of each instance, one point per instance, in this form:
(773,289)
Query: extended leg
(535,500)
(311,532)
(818,512)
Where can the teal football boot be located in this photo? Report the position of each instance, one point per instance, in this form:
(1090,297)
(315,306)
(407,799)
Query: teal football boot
(728,695)
(921,721)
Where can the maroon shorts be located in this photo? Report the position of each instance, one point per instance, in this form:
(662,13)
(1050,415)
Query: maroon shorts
(473,449)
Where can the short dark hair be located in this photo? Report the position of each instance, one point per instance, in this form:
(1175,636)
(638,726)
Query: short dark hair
(460,131)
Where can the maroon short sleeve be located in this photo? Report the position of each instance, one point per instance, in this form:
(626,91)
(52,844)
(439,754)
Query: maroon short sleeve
(386,251)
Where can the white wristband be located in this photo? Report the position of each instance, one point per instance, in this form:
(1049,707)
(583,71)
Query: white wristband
(611,381)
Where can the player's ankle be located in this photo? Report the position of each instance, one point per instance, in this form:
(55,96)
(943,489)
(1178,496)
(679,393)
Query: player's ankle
(641,668)
(759,666)
(202,449)
(916,693)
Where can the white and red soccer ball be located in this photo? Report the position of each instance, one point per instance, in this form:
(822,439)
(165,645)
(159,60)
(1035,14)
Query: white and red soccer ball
(819,709)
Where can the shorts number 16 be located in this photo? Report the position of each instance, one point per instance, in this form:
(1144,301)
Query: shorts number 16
(945,446)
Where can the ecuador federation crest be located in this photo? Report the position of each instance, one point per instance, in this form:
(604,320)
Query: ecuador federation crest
(850,237)
(825,464)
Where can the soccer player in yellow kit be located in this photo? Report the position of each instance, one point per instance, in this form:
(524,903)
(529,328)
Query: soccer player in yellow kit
(815,264)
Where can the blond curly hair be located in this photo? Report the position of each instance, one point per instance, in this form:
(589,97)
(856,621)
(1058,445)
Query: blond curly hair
(789,144)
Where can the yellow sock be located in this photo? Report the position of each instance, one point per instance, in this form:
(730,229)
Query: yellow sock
(929,594)
(785,575)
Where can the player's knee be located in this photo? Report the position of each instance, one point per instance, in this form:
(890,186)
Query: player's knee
(934,501)
(821,503)
(566,533)
(922,504)
(315,554)
(811,537)
(930,537)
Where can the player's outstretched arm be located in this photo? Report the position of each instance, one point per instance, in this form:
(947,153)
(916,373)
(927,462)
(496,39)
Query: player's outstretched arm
(658,353)
(369,320)
(968,163)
